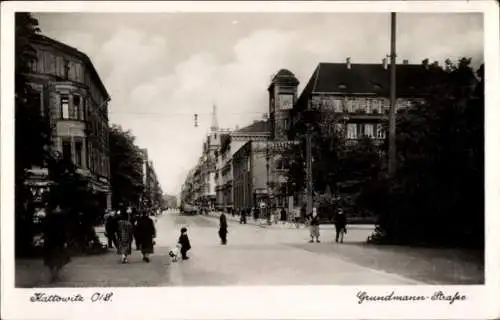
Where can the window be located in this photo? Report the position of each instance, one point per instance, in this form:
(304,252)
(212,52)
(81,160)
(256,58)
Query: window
(84,111)
(339,127)
(75,110)
(368,105)
(369,132)
(350,107)
(64,107)
(338,105)
(376,106)
(79,154)
(380,131)
(66,149)
(352,131)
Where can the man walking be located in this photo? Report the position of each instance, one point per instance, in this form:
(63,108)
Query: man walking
(340,226)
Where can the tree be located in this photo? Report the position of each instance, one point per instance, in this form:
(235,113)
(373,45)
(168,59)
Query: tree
(32,129)
(437,195)
(126,168)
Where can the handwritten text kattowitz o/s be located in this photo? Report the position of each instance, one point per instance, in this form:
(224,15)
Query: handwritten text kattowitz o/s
(55,298)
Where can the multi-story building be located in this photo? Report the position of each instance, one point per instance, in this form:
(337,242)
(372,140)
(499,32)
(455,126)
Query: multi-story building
(74,97)
(231,142)
(152,189)
(354,99)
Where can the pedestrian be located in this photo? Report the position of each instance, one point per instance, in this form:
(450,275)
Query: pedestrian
(146,233)
(276,215)
(185,243)
(110,229)
(283,215)
(55,253)
(243,217)
(134,219)
(314,226)
(125,235)
(223,228)
(340,225)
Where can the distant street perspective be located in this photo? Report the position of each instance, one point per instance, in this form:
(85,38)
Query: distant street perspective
(275,155)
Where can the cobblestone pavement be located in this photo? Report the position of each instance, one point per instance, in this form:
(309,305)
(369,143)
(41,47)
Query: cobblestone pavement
(259,256)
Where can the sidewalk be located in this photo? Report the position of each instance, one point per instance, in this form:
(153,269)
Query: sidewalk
(287,225)
(103,270)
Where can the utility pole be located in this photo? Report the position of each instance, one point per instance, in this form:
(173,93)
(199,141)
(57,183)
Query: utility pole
(392,111)
(268,168)
(309,172)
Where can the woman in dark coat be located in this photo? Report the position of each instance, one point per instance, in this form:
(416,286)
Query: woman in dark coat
(55,241)
(145,233)
(223,228)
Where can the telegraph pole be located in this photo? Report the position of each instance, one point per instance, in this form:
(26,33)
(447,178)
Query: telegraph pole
(392,111)
(309,172)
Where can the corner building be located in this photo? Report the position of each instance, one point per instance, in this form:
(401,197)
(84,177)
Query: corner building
(72,93)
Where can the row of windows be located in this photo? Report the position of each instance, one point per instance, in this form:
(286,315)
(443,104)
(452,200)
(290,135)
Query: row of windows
(340,105)
(93,159)
(65,67)
(74,107)
(355,131)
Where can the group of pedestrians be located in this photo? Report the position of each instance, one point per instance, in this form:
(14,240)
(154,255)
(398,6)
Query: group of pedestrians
(340,222)
(312,220)
(127,225)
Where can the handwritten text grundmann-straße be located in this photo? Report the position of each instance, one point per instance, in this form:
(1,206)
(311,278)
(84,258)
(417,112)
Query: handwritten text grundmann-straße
(55,298)
(363,296)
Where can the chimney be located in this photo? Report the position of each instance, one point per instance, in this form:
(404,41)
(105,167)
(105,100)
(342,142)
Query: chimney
(384,63)
(406,62)
(348,62)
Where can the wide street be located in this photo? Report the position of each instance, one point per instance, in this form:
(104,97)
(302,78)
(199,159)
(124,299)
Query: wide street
(256,255)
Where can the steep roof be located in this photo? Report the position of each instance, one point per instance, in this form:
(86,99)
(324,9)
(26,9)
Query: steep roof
(367,79)
(257,126)
(44,40)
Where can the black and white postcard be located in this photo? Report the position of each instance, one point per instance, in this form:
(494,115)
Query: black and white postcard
(245,160)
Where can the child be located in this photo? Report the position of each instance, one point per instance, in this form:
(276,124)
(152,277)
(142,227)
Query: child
(184,242)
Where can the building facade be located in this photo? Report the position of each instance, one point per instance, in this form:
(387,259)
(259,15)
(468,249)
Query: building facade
(74,97)
(152,189)
(231,142)
(353,100)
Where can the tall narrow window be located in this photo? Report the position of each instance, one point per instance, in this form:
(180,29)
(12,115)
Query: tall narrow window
(338,105)
(64,106)
(368,106)
(350,107)
(380,131)
(79,154)
(369,132)
(75,110)
(352,132)
(66,149)
(84,110)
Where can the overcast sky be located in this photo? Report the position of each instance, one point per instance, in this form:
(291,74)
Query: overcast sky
(162,68)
